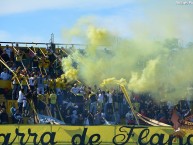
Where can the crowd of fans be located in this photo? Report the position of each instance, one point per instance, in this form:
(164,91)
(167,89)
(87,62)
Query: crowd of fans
(38,85)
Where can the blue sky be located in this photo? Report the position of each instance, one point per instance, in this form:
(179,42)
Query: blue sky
(35,20)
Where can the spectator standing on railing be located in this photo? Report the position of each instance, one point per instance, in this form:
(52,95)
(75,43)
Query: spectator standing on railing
(98,118)
(79,101)
(25,59)
(30,56)
(60,98)
(18,117)
(24,81)
(100,99)
(53,101)
(32,81)
(41,103)
(110,115)
(4,116)
(93,103)
(74,117)
(117,116)
(129,118)
(58,85)
(25,106)
(51,84)
(80,120)
(35,63)
(35,99)
(16,85)
(75,89)
(20,100)
(40,84)
(46,64)
(13,111)
(5,56)
(46,83)
(8,50)
(13,67)
(88,118)
(5,75)
(120,103)
(109,103)
(115,99)
(47,97)
(3,105)
(67,116)
(18,58)
(40,64)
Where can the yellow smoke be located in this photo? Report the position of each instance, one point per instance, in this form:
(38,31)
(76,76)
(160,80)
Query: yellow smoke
(70,73)
(111,82)
(98,36)
(151,61)
(147,82)
(147,65)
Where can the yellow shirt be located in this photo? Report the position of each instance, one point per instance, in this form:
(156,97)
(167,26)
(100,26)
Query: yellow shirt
(24,80)
(51,84)
(18,57)
(46,82)
(53,98)
(46,63)
(16,78)
(40,97)
(58,82)
(63,85)
(40,63)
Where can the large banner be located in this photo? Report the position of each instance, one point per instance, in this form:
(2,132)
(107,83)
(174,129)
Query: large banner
(90,135)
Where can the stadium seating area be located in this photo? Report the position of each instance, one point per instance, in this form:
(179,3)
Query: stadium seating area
(31,83)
